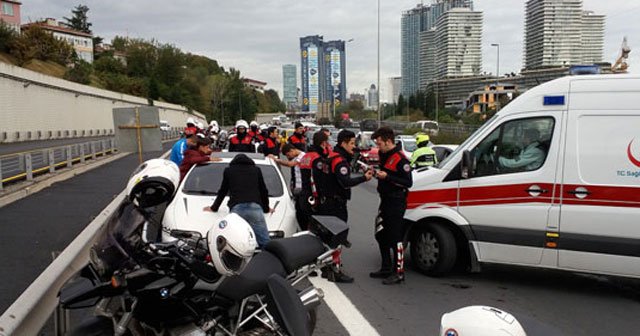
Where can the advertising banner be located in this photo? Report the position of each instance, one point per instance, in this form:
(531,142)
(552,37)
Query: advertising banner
(314,77)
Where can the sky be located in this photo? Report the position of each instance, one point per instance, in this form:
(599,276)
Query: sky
(258,37)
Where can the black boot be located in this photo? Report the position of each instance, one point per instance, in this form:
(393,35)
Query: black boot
(385,267)
(339,276)
(393,279)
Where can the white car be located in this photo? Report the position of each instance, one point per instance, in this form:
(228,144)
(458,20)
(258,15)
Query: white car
(407,144)
(199,188)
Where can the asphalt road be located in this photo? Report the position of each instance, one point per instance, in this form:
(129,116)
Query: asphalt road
(573,304)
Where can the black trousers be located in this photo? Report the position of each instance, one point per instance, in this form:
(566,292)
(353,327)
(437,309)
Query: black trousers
(303,211)
(333,207)
(390,238)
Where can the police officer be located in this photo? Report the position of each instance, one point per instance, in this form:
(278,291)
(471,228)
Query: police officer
(423,156)
(297,138)
(394,180)
(241,141)
(270,145)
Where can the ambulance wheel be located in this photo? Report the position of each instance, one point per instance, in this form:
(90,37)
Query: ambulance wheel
(433,249)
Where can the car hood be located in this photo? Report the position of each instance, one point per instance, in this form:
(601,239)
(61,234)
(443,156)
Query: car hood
(186,213)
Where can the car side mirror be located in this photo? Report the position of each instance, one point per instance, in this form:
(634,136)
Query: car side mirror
(466,170)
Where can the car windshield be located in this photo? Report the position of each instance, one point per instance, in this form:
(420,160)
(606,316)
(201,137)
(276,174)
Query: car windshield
(206,180)
(430,125)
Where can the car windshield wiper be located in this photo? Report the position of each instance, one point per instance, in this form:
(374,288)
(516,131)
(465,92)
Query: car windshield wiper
(199,192)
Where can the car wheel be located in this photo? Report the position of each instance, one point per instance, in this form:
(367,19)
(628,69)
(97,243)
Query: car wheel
(433,249)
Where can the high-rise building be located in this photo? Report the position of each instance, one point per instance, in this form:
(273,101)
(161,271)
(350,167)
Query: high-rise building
(592,37)
(459,43)
(289,86)
(559,33)
(335,78)
(372,97)
(416,20)
(312,71)
(394,89)
(427,57)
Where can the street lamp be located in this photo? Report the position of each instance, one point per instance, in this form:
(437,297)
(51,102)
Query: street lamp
(497,101)
(378,85)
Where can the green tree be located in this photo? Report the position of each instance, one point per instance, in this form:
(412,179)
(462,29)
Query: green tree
(120,43)
(79,19)
(400,106)
(80,72)
(109,64)
(7,37)
(35,42)
(142,57)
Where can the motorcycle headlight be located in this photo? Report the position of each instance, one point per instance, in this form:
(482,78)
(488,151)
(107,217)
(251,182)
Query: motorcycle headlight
(365,154)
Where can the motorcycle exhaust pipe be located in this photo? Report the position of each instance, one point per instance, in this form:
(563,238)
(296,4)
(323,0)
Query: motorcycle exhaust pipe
(311,297)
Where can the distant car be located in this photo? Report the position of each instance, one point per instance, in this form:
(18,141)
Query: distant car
(368,151)
(430,127)
(199,189)
(164,126)
(407,144)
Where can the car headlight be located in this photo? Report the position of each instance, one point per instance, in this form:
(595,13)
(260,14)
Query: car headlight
(365,155)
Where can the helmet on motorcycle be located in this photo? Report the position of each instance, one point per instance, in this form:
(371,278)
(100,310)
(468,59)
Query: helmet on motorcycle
(480,321)
(422,139)
(232,243)
(242,123)
(153,183)
(191,122)
(213,123)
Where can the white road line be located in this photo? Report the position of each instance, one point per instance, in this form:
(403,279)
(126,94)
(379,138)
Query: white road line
(348,315)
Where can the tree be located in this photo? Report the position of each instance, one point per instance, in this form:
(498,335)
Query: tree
(401,105)
(79,73)
(35,42)
(79,20)
(7,37)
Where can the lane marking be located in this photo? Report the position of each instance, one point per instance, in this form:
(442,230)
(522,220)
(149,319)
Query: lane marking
(348,315)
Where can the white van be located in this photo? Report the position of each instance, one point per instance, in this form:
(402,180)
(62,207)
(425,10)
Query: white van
(552,181)
(430,127)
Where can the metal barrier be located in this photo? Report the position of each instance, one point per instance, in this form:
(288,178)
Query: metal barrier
(21,166)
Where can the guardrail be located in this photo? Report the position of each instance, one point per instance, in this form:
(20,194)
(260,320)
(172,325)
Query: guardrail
(30,312)
(26,165)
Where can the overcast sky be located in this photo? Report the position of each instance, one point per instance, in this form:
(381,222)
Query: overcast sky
(258,37)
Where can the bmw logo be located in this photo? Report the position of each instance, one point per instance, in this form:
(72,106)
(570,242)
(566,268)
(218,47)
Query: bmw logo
(451,332)
(222,224)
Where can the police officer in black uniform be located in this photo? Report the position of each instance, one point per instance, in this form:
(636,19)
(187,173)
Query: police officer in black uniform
(270,145)
(394,180)
(241,141)
(297,139)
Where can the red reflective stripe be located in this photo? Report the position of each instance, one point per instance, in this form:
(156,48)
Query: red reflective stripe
(335,160)
(270,143)
(307,160)
(235,140)
(392,162)
(517,193)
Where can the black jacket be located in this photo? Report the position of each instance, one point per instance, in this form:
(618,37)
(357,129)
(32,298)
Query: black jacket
(244,183)
(398,170)
(342,172)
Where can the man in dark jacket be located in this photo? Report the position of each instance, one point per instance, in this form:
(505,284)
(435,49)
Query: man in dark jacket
(297,139)
(271,145)
(394,180)
(194,156)
(240,180)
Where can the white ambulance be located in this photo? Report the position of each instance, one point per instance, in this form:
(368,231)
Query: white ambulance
(552,181)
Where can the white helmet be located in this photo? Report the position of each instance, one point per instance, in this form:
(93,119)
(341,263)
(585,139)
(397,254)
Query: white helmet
(263,127)
(253,123)
(232,244)
(480,321)
(213,123)
(242,123)
(200,125)
(153,182)
(191,121)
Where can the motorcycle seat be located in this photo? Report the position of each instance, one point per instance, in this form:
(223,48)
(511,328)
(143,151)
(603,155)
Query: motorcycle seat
(296,252)
(253,279)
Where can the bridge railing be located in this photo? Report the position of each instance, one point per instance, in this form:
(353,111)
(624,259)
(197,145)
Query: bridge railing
(26,165)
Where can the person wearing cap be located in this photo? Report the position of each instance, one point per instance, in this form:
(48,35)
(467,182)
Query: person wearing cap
(297,139)
(423,156)
(241,141)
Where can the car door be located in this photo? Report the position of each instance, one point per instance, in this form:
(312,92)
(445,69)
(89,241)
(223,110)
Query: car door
(600,211)
(508,197)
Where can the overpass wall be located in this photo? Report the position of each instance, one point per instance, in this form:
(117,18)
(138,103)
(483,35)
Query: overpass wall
(34,106)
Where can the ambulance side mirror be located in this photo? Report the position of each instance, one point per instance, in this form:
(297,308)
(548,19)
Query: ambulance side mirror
(466,165)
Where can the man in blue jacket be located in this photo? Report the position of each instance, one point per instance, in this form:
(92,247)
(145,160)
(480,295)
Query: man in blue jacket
(177,151)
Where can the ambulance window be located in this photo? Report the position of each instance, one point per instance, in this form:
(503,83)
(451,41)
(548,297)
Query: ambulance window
(516,146)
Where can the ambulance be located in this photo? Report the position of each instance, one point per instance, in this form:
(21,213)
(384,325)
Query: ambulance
(551,181)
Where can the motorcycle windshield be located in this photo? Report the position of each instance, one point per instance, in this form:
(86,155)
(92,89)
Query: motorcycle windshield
(116,245)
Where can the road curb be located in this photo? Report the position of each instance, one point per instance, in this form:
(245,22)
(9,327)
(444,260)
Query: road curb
(45,183)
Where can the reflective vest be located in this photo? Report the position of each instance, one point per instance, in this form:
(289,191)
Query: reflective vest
(423,157)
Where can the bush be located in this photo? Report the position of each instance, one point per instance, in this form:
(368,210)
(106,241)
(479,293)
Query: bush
(80,72)
(37,43)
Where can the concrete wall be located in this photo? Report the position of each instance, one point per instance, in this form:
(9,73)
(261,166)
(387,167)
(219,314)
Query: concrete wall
(34,106)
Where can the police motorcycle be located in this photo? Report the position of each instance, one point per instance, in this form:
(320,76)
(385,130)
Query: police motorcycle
(214,134)
(194,285)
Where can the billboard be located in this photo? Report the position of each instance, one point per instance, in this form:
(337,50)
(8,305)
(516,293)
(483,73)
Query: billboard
(335,85)
(314,78)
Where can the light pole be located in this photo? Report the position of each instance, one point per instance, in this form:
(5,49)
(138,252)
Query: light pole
(496,98)
(378,82)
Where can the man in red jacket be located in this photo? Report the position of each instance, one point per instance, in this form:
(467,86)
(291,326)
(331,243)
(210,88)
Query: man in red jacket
(193,156)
